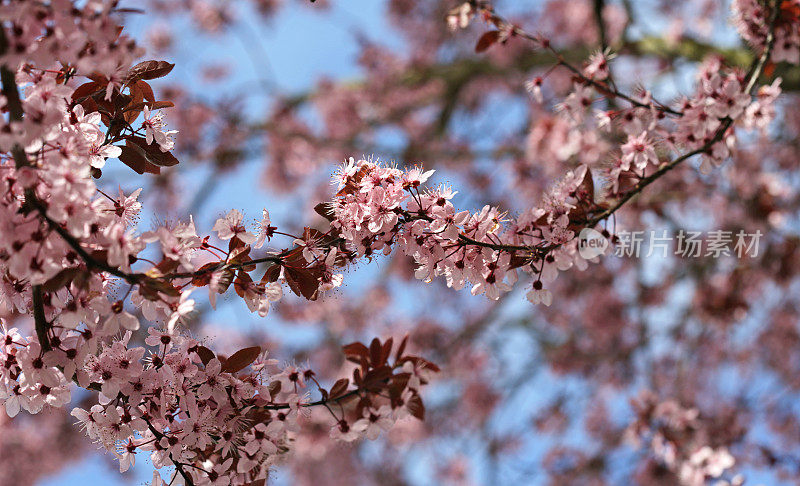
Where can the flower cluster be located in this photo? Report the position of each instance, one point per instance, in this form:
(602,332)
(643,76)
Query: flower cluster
(379,206)
(187,407)
(678,440)
(752,19)
(720,100)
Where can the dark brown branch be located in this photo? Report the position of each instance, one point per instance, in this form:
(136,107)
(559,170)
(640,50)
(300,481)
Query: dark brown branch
(178,466)
(42,326)
(324,401)
(15,114)
(601,25)
(602,86)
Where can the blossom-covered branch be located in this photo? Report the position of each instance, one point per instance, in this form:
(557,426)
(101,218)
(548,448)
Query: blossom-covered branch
(188,407)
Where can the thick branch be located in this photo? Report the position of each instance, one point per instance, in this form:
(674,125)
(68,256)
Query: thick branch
(15,114)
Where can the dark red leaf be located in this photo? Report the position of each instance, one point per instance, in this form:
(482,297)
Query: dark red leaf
(375,353)
(339,388)
(274,388)
(234,244)
(376,379)
(387,350)
(147,91)
(205,354)
(151,152)
(204,278)
(769,69)
(61,279)
(135,160)
(225,280)
(401,348)
(302,281)
(242,283)
(241,359)
(153,105)
(85,91)
(355,349)
(148,70)
(486,40)
(416,407)
(272,274)
(325,210)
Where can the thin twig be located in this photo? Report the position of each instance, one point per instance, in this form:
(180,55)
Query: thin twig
(599,5)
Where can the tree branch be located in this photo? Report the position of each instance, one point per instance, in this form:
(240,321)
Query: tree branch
(15,114)
(601,25)
(754,72)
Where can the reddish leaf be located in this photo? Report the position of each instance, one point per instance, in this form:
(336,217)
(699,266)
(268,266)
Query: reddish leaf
(375,380)
(363,403)
(151,152)
(486,40)
(518,261)
(225,280)
(241,359)
(345,399)
(204,278)
(147,91)
(375,353)
(401,348)
(89,105)
(153,105)
(61,279)
(398,386)
(239,254)
(416,407)
(135,160)
(242,283)
(274,388)
(302,281)
(325,210)
(585,191)
(272,274)
(167,265)
(420,363)
(148,70)
(157,105)
(387,350)
(205,354)
(131,110)
(356,350)
(339,388)
(769,69)
(424,363)
(85,91)
(234,244)
(158,285)
(789,11)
